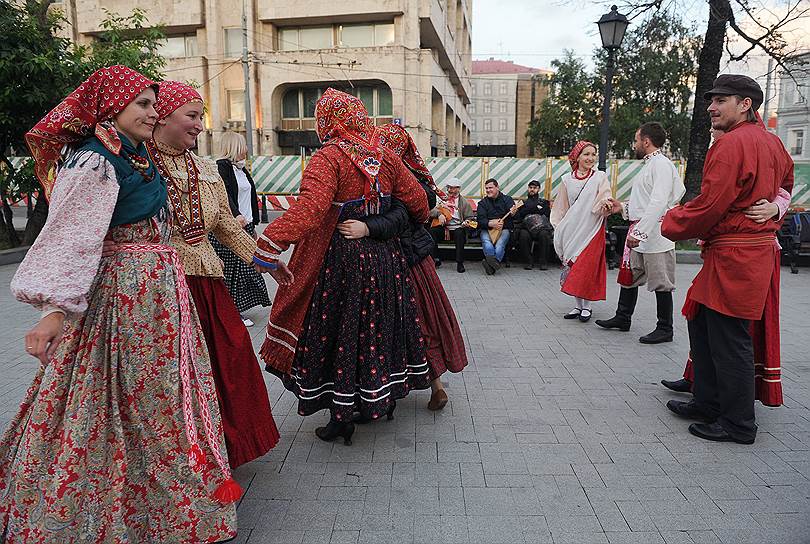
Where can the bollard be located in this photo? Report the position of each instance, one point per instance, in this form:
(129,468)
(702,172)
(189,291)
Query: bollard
(264,208)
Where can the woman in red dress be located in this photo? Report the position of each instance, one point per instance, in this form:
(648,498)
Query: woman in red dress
(344,335)
(437,319)
(199,204)
(578,217)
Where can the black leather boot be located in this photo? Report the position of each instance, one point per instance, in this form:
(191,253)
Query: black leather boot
(663,329)
(624,310)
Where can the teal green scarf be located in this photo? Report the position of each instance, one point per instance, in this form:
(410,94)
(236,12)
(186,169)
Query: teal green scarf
(138,197)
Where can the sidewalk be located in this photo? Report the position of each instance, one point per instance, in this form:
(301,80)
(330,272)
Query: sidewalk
(555,432)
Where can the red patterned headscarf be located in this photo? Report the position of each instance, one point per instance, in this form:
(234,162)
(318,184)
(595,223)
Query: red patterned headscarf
(573,156)
(342,120)
(172,95)
(83,113)
(397,139)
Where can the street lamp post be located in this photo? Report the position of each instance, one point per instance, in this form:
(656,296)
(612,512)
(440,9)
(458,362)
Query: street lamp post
(612,27)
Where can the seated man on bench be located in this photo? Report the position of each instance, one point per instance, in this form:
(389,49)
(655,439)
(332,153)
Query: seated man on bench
(532,225)
(449,221)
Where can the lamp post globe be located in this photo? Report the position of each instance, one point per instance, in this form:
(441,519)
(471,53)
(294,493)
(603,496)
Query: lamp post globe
(612,27)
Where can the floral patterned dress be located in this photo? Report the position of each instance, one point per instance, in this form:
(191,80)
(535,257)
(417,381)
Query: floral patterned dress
(116,440)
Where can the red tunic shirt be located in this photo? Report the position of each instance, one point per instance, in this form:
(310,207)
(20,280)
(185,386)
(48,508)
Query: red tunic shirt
(329,179)
(743,166)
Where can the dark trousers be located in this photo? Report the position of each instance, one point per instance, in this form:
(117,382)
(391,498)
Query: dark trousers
(723,359)
(525,239)
(459,236)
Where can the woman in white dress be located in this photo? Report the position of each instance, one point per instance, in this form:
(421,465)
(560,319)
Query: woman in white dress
(578,216)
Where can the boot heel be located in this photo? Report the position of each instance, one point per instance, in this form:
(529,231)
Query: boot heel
(390,413)
(348,431)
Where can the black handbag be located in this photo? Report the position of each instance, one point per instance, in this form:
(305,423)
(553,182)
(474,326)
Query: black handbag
(536,223)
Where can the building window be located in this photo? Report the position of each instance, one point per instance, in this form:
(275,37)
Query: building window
(487,125)
(175,47)
(308,37)
(503,88)
(796,141)
(473,88)
(487,142)
(298,105)
(472,124)
(501,142)
(366,35)
(233,42)
(471,107)
(236,105)
(487,89)
(487,107)
(501,124)
(502,107)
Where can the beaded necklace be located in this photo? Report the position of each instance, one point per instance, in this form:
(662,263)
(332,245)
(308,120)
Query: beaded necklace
(192,226)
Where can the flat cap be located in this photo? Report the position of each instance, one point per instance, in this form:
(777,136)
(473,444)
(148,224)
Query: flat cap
(736,84)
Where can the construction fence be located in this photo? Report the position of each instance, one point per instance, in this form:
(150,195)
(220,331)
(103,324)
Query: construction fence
(278,177)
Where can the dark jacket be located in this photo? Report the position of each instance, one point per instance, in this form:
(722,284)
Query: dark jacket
(227,174)
(532,205)
(416,241)
(495,209)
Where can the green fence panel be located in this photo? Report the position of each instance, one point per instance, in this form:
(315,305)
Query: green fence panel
(280,174)
(514,175)
(801,186)
(466,169)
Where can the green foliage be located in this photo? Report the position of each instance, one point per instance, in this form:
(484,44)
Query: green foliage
(38,68)
(128,41)
(567,114)
(654,72)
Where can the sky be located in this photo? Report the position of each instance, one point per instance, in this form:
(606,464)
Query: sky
(535,32)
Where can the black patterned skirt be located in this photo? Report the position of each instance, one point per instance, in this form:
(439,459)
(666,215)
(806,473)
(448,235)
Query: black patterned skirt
(246,286)
(361,347)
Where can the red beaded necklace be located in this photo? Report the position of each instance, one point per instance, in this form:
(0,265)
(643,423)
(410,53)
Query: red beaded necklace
(586,176)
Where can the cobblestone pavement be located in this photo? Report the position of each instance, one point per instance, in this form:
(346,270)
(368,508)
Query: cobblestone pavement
(555,432)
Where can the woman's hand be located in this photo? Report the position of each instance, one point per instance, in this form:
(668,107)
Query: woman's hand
(353,229)
(241,220)
(41,341)
(762,211)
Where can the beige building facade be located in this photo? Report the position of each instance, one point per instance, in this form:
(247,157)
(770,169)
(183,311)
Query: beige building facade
(408,60)
(504,97)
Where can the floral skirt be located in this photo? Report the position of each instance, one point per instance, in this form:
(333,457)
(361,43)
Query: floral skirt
(361,347)
(99,450)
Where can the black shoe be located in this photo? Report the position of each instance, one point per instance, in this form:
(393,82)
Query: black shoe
(335,429)
(493,262)
(487,267)
(437,262)
(528,267)
(507,265)
(624,310)
(689,410)
(460,268)
(681,386)
(716,433)
(585,315)
(658,336)
(543,266)
(573,314)
(615,322)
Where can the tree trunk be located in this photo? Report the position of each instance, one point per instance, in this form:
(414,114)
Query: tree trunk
(708,68)
(36,221)
(8,221)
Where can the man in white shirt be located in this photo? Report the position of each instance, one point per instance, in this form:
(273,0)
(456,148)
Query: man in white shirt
(657,189)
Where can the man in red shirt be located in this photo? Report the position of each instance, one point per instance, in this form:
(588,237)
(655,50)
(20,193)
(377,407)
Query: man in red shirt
(740,257)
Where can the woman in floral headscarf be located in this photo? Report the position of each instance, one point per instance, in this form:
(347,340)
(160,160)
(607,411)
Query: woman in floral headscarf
(199,205)
(437,319)
(119,437)
(344,336)
(578,216)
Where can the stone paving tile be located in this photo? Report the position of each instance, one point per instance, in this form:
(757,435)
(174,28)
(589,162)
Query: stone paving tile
(555,433)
